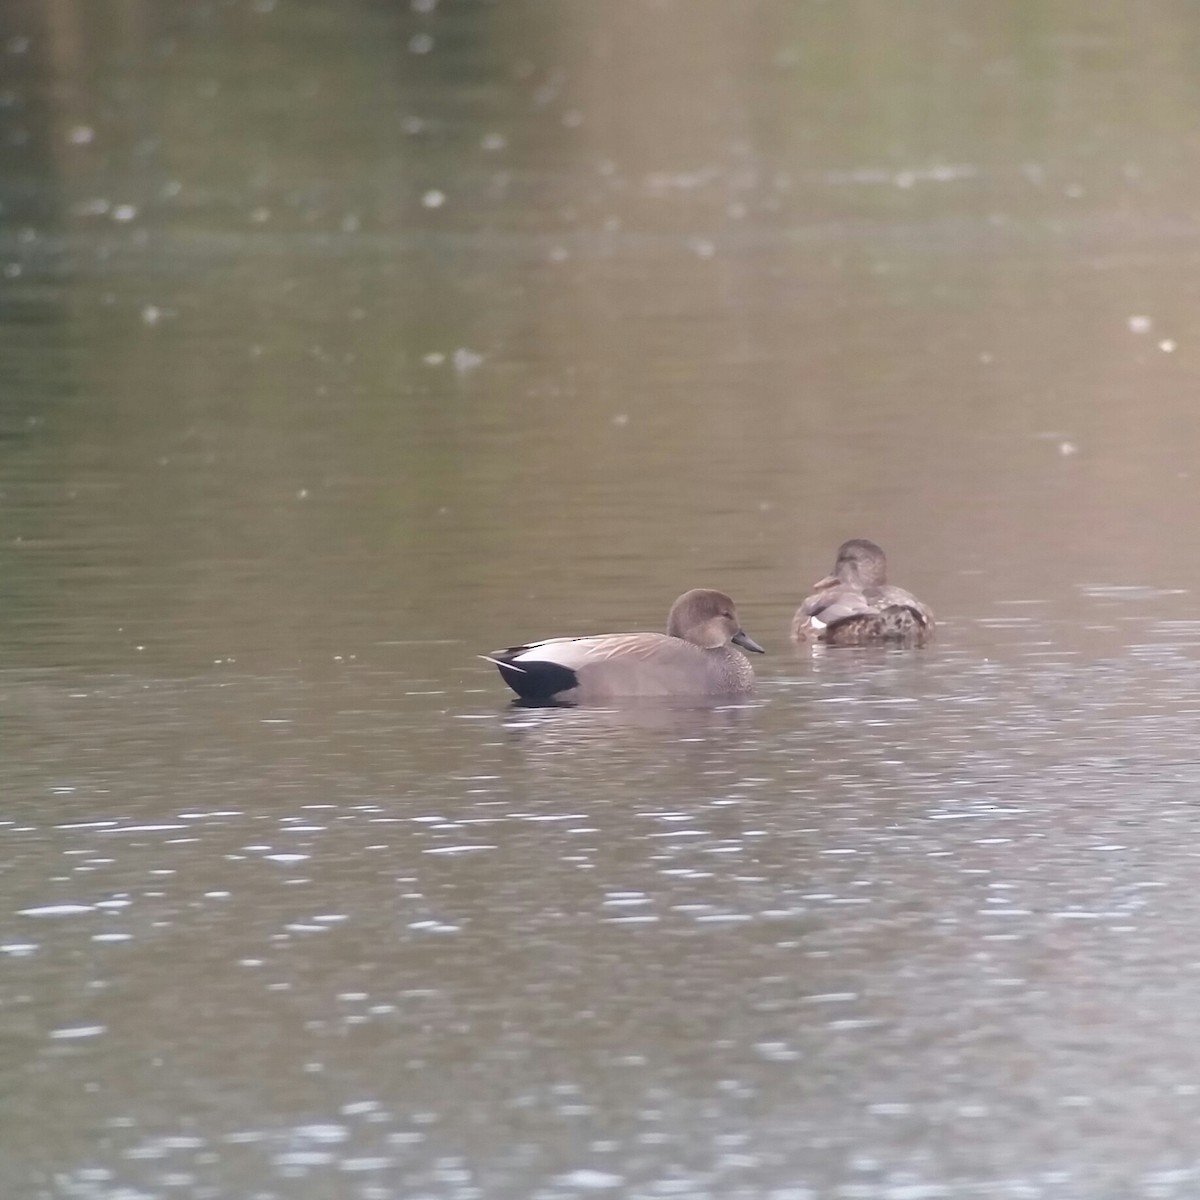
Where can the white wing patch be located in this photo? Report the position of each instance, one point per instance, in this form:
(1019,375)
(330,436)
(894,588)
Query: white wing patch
(502,662)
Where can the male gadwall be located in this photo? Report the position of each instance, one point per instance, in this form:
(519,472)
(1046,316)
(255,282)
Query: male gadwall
(856,606)
(693,658)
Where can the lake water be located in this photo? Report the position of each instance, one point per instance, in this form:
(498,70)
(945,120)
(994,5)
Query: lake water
(342,342)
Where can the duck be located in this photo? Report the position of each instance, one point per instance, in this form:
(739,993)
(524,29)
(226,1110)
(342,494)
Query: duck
(695,658)
(856,606)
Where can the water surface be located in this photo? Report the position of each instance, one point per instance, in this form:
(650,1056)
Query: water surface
(340,343)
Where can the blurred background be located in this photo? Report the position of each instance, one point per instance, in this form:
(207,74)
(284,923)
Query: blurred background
(340,342)
(366,315)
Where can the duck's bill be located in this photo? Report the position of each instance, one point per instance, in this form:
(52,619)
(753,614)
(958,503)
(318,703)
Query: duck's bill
(747,643)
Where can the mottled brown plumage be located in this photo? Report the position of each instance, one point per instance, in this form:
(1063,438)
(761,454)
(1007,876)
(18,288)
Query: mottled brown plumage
(856,606)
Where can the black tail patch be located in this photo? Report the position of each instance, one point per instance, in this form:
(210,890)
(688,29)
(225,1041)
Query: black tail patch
(535,679)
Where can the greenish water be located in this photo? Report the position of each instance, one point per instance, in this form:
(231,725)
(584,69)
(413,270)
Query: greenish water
(342,342)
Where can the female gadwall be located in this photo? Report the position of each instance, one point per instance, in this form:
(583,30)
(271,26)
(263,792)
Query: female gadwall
(856,606)
(693,658)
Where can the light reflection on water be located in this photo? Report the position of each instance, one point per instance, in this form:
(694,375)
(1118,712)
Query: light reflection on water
(893,905)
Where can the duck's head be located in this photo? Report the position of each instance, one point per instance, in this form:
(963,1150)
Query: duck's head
(708,619)
(860,563)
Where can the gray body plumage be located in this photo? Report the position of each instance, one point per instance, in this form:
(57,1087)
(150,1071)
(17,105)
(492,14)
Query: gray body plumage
(694,658)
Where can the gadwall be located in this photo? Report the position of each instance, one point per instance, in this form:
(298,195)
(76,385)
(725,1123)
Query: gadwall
(693,658)
(856,606)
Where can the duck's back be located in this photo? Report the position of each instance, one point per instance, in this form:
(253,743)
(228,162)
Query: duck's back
(849,616)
